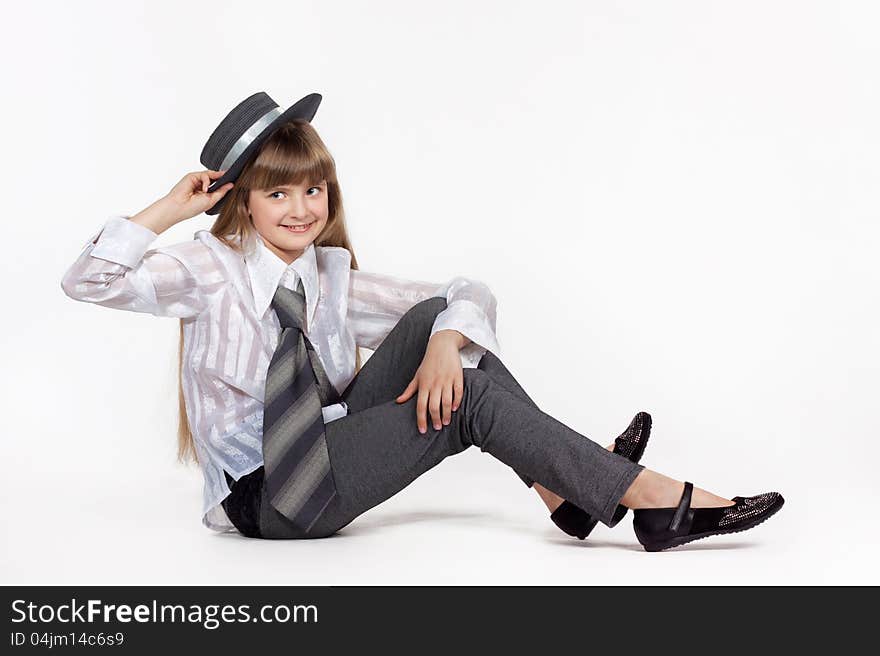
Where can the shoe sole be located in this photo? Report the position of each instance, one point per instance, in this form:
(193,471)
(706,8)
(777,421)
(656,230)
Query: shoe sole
(677,542)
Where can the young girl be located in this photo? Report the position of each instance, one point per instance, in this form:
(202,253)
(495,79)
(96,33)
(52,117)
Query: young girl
(272,307)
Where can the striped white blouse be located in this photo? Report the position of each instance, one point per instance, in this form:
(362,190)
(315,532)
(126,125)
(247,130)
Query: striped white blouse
(230,333)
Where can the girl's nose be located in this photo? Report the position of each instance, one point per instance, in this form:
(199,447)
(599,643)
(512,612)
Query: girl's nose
(296,209)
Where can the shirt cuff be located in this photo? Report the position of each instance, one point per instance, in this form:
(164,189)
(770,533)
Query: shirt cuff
(123,241)
(471,355)
(469,319)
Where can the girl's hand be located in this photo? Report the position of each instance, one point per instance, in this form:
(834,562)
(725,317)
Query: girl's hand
(190,196)
(439,380)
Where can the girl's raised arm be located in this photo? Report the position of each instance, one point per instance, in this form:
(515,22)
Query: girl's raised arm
(115,268)
(376,302)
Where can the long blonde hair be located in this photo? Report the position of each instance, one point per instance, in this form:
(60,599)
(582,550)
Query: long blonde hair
(293,154)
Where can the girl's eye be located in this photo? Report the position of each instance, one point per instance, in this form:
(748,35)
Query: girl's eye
(272,195)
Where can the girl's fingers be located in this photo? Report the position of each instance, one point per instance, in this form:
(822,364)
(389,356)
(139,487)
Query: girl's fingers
(447,404)
(421,409)
(195,181)
(406,393)
(204,178)
(217,194)
(434,405)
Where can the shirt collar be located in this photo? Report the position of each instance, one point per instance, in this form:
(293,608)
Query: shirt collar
(266,270)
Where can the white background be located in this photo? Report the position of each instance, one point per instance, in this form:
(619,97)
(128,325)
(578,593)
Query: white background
(676,205)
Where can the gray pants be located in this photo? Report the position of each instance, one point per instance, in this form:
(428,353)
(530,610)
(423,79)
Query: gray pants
(377,450)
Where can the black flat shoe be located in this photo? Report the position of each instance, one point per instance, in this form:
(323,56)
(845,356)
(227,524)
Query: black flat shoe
(662,528)
(630,444)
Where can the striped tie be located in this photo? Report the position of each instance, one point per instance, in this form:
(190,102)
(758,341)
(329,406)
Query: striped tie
(299,481)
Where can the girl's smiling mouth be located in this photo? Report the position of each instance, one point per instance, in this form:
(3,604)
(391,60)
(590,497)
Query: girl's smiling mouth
(298,228)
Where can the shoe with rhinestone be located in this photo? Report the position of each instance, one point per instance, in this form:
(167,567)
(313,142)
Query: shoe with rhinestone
(661,528)
(630,444)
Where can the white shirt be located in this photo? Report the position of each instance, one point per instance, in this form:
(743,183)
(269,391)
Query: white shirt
(230,332)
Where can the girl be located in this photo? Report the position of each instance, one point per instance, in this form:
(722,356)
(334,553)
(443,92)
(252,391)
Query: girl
(277,269)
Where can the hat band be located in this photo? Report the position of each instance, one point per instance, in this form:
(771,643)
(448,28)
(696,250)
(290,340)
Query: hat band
(249,135)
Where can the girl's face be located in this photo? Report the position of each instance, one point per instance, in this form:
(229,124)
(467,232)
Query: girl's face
(289,205)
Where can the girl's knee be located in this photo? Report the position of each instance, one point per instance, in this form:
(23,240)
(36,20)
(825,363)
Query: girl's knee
(474,397)
(475,383)
(474,376)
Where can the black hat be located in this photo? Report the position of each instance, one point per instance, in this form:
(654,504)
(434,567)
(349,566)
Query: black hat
(240,135)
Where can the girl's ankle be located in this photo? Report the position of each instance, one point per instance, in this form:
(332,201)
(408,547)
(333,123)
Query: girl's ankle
(653,490)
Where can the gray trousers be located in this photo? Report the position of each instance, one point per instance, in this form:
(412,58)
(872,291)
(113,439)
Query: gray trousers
(377,450)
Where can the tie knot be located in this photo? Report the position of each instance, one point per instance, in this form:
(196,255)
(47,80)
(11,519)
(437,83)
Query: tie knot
(290,306)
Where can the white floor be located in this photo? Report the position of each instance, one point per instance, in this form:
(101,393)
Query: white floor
(437,531)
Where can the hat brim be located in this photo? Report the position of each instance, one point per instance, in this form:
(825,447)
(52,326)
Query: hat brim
(305,108)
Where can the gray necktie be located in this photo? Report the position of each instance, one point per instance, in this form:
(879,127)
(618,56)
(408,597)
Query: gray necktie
(299,480)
